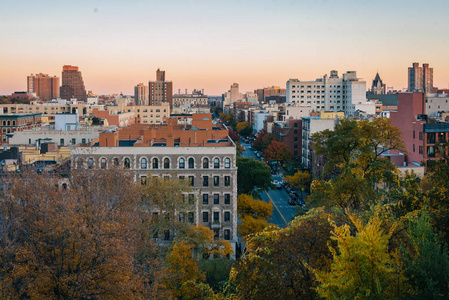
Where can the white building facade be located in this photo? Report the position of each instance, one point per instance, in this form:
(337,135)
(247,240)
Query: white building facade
(330,93)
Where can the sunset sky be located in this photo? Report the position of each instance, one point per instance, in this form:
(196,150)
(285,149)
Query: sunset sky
(211,44)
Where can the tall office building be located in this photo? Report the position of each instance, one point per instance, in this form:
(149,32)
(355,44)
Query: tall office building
(43,86)
(141,94)
(420,79)
(72,84)
(160,91)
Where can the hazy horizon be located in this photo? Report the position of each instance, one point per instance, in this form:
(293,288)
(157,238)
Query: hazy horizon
(209,45)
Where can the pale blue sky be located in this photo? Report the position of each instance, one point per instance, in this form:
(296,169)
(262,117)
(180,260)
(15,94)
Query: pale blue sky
(210,44)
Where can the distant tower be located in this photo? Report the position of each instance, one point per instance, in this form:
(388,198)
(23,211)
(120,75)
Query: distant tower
(141,94)
(160,91)
(234,91)
(420,79)
(378,87)
(427,78)
(45,87)
(72,84)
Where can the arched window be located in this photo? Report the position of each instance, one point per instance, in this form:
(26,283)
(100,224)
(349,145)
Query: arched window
(4,123)
(127,163)
(205,163)
(182,163)
(80,163)
(103,163)
(191,163)
(13,123)
(143,163)
(116,161)
(216,163)
(9,123)
(155,163)
(90,163)
(227,163)
(166,163)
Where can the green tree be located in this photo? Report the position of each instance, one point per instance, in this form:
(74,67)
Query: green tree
(355,164)
(426,261)
(362,268)
(253,176)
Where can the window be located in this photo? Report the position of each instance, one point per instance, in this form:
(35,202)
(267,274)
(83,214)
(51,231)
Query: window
(441,137)
(167,235)
(413,147)
(421,136)
(166,177)
(182,217)
(143,180)
(227,163)
(191,217)
(227,181)
(227,234)
(143,163)
(166,163)
(227,199)
(413,134)
(216,199)
(116,161)
(61,142)
(227,216)
(216,180)
(191,199)
(73,141)
(192,180)
(182,163)
(431,138)
(431,151)
(90,163)
(216,163)
(103,163)
(205,163)
(83,141)
(205,180)
(205,217)
(420,149)
(216,217)
(191,163)
(127,163)
(205,199)
(155,163)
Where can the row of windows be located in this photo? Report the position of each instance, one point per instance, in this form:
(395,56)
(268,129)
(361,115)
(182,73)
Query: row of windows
(227,181)
(216,217)
(216,199)
(165,163)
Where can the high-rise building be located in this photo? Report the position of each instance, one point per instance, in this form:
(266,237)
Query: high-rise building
(235,94)
(262,94)
(72,84)
(43,86)
(378,88)
(141,94)
(330,93)
(160,91)
(420,79)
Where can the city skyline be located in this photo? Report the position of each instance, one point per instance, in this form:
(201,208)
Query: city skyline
(212,45)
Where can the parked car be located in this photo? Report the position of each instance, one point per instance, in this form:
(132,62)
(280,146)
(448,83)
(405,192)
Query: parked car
(278,185)
(292,201)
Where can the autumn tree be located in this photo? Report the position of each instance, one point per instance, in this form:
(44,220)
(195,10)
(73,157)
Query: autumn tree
(278,262)
(242,126)
(277,151)
(168,202)
(355,164)
(253,176)
(300,180)
(253,214)
(77,240)
(362,267)
(262,140)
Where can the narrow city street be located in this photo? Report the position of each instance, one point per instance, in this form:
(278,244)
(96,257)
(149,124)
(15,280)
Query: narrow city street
(283,213)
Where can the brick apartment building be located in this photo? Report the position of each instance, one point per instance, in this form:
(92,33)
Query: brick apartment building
(420,133)
(289,133)
(201,152)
